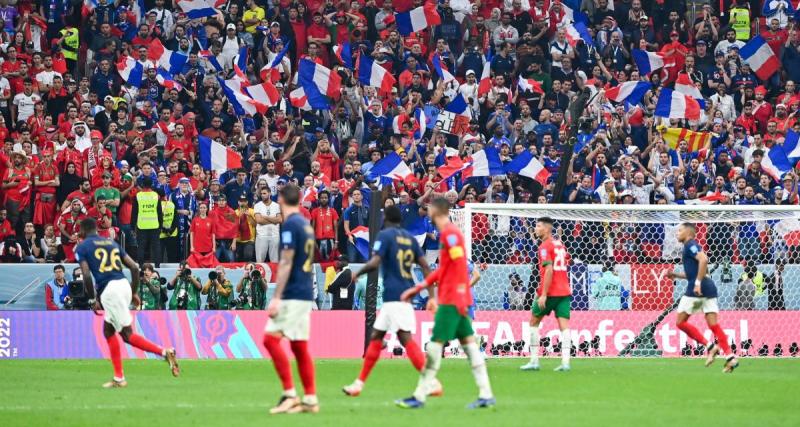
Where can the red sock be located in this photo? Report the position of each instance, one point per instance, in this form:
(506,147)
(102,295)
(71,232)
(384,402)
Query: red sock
(143,343)
(279,359)
(305,364)
(370,358)
(116,357)
(415,354)
(722,339)
(693,333)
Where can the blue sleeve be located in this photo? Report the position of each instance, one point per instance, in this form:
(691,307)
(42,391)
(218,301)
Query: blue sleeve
(381,245)
(346,214)
(80,252)
(64,293)
(288,236)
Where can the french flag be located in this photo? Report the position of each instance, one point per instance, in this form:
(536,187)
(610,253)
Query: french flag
(271,71)
(441,69)
(265,95)
(210,58)
(397,123)
(166,80)
(372,74)
(391,167)
(772,7)
(196,9)
(215,156)
(361,240)
(776,162)
(791,146)
(242,104)
(630,92)
(417,19)
(761,58)
(647,62)
(131,71)
(240,63)
(577,32)
(711,199)
(527,165)
(344,54)
(485,162)
(531,85)
(485,85)
(310,195)
(572,11)
(676,105)
(171,61)
(421,123)
(299,99)
(463,114)
(138,9)
(318,81)
(684,85)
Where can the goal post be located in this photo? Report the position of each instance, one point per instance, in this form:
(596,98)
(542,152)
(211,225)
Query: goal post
(622,300)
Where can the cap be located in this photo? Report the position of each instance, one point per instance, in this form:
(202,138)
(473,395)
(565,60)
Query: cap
(222,196)
(275,24)
(732,47)
(500,195)
(626,193)
(644,18)
(780,106)
(319,129)
(70,135)
(230,26)
(700,42)
(609,180)
(718,121)
(127,177)
(242,197)
(122,163)
(76,199)
(184,180)
(470,72)
(719,53)
(47,152)
(281,181)
(761,89)
(96,134)
(19,152)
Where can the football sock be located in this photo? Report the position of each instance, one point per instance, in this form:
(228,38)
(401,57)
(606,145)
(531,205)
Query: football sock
(722,339)
(566,346)
(692,332)
(305,364)
(143,343)
(370,358)
(478,363)
(281,362)
(534,342)
(116,357)
(415,354)
(432,363)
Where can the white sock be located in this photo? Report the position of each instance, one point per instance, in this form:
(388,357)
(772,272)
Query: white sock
(566,346)
(290,393)
(534,344)
(433,351)
(310,399)
(478,364)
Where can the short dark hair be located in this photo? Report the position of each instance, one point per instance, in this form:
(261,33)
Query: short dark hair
(392,214)
(441,205)
(545,220)
(59,267)
(689,225)
(290,194)
(88,226)
(147,182)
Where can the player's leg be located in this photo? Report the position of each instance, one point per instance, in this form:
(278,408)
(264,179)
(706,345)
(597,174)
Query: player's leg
(272,342)
(535,338)
(686,308)
(417,358)
(116,357)
(143,343)
(371,357)
(466,336)
(561,308)
(731,362)
(298,330)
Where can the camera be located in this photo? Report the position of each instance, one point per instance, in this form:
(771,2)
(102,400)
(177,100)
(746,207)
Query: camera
(76,293)
(240,301)
(162,280)
(212,275)
(186,272)
(182,299)
(255,275)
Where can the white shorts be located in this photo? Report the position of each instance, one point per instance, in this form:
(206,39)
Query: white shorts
(396,316)
(293,320)
(692,305)
(116,300)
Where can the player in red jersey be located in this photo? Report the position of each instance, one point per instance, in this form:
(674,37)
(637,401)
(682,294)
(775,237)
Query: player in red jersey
(554,294)
(452,320)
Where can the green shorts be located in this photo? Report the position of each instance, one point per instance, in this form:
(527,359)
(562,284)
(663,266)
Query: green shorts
(449,324)
(558,304)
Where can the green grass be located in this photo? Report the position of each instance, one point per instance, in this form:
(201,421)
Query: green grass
(597,392)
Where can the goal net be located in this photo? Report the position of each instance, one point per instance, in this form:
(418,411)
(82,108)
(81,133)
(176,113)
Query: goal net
(623,303)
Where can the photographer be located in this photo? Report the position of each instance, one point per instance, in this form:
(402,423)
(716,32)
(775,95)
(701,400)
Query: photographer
(219,290)
(56,290)
(252,290)
(186,290)
(153,290)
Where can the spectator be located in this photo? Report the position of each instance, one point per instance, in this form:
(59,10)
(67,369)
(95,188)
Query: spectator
(607,290)
(267,215)
(225,230)
(246,231)
(342,288)
(356,215)
(515,295)
(31,249)
(201,233)
(56,289)
(324,219)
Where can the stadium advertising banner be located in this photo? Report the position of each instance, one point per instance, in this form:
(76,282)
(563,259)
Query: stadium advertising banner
(340,334)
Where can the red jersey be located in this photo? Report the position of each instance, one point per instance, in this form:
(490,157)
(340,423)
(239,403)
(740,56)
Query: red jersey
(452,274)
(85,198)
(21,193)
(324,220)
(226,223)
(552,252)
(45,172)
(5,230)
(201,234)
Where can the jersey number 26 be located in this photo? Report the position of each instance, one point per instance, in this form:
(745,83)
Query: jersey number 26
(560,259)
(109,260)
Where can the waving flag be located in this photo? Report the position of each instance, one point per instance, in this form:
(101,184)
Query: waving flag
(166,80)
(572,11)
(577,32)
(441,69)
(485,85)
(171,61)
(372,74)
(696,140)
(417,19)
(711,199)
(761,58)
(242,104)
(196,9)
(772,7)
(361,240)
(531,85)
(791,146)
(299,99)
(391,167)
(343,53)
(684,85)
(463,114)
(215,156)
(629,92)
(210,58)
(240,63)
(452,166)
(131,71)
(318,82)
(485,162)
(525,164)
(676,105)
(138,9)
(647,62)
(271,70)
(398,121)
(265,95)
(776,163)
(420,123)
(309,195)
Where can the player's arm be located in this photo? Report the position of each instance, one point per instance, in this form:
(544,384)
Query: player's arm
(134,268)
(423,264)
(370,266)
(547,280)
(476,276)
(284,269)
(702,270)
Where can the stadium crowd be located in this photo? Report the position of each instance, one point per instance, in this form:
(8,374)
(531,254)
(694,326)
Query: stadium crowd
(80,140)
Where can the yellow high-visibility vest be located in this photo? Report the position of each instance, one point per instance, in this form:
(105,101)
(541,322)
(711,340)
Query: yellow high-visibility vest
(168,212)
(148,210)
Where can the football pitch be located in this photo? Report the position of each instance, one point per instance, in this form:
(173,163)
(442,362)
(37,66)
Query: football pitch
(597,392)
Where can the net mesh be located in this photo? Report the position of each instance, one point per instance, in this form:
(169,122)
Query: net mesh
(623,303)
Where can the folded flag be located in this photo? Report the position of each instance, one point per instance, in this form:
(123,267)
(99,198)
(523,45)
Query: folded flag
(131,71)
(676,105)
(391,167)
(485,85)
(525,164)
(696,140)
(171,61)
(215,156)
(417,19)
(344,54)
(684,85)
(576,32)
(198,260)
(372,74)
(271,71)
(318,82)
(484,162)
(299,99)
(441,69)
(761,57)
(361,240)
(629,92)
(196,9)
(647,62)
(531,85)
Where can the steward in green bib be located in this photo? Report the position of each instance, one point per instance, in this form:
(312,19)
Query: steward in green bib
(69,44)
(147,217)
(740,20)
(169,229)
